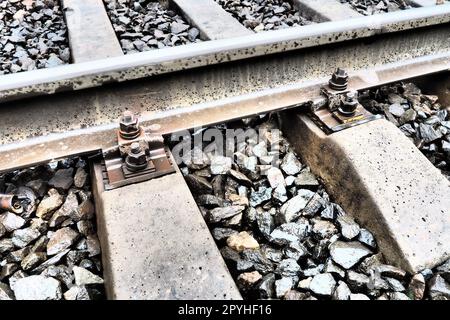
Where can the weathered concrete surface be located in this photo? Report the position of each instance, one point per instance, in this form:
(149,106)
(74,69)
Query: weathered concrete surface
(91,35)
(325,10)
(384,181)
(156,245)
(211,19)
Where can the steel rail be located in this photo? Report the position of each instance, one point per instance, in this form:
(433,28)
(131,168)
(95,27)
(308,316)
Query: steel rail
(135,66)
(42,149)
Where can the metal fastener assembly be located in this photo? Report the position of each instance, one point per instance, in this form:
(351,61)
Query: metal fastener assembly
(339,80)
(10,203)
(349,105)
(136,159)
(129,126)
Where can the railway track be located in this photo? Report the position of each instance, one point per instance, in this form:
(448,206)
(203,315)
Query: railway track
(343,116)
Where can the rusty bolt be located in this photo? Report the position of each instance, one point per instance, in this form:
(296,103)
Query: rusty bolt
(129,126)
(136,159)
(349,105)
(339,80)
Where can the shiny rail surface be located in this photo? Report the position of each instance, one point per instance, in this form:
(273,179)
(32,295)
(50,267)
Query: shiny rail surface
(151,63)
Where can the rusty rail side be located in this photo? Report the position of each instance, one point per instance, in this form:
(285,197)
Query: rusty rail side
(54,146)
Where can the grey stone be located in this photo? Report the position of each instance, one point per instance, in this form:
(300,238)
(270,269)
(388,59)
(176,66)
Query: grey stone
(80,178)
(261,196)
(220,165)
(61,240)
(22,237)
(210,201)
(396,109)
(240,177)
(275,177)
(93,245)
(323,284)
(11,221)
(342,292)
(290,232)
(428,133)
(218,214)
(52,261)
(331,267)
(358,296)
(349,228)
(67,210)
(6,245)
(398,296)
(306,179)
(391,271)
(266,287)
(5,292)
(290,164)
(282,286)
(292,208)
(288,268)
(77,293)
(199,185)
(258,260)
(33,259)
(357,281)
(49,205)
(265,223)
(61,273)
(394,284)
(37,288)
(366,237)
(323,229)
(85,277)
(348,254)
(62,180)
(416,287)
(439,287)
(7,270)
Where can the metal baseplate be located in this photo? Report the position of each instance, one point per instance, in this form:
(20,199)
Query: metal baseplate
(139,155)
(341,109)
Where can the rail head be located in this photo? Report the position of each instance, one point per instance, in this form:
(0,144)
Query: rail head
(140,65)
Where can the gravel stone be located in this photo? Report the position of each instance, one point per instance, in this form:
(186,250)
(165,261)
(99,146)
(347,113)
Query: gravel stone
(263,15)
(61,240)
(242,241)
(6,292)
(49,205)
(33,259)
(32,33)
(349,228)
(348,254)
(85,277)
(282,286)
(37,288)
(307,238)
(11,222)
(218,214)
(342,292)
(323,284)
(150,24)
(370,7)
(77,293)
(416,288)
(292,208)
(22,237)
(62,180)
(439,287)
